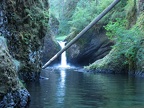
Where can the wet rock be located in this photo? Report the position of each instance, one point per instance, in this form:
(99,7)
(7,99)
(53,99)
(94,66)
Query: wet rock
(51,47)
(25,26)
(90,47)
(111,63)
(12,92)
(18,99)
(140,58)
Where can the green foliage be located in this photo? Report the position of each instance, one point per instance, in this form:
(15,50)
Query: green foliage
(37,15)
(79,13)
(86,11)
(127,32)
(114,27)
(126,40)
(63,11)
(140,23)
(130,5)
(60,38)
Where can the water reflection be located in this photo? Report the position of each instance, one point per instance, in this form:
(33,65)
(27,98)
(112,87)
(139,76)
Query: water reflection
(67,88)
(60,94)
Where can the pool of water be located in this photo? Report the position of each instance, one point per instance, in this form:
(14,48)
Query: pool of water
(71,88)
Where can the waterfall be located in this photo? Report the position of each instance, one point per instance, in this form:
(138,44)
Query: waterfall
(63,55)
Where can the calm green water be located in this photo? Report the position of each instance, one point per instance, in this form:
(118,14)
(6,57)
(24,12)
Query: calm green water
(69,88)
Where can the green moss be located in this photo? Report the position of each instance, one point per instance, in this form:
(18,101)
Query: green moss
(111,62)
(140,22)
(128,34)
(28,24)
(140,57)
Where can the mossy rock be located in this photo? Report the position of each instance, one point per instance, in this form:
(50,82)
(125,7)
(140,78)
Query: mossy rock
(111,63)
(140,58)
(12,91)
(27,26)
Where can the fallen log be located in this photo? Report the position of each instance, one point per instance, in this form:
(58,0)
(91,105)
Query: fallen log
(101,15)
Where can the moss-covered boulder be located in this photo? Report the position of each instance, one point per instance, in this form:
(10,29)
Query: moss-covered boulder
(12,92)
(111,63)
(140,60)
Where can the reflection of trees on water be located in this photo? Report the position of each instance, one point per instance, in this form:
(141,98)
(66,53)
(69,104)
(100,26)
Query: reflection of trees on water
(80,91)
(60,94)
(71,89)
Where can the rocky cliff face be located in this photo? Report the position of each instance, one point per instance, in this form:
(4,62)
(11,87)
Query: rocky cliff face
(25,25)
(140,59)
(140,53)
(51,47)
(92,46)
(12,92)
(115,62)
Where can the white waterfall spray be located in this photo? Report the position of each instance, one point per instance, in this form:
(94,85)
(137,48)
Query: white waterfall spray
(63,55)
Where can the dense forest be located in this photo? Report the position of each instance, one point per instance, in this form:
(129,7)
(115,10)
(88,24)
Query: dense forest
(30,31)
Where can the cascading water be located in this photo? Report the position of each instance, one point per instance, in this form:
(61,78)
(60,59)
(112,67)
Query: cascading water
(63,55)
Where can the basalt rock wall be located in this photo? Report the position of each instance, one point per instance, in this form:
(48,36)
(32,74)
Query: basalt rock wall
(92,46)
(24,24)
(12,92)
